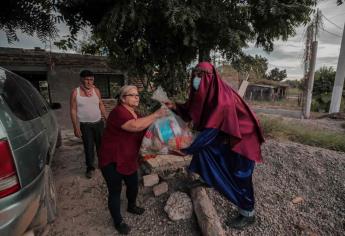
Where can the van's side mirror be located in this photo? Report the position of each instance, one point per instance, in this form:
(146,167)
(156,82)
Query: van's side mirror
(55,105)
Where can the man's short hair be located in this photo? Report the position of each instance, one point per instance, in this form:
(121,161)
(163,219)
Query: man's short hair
(86,73)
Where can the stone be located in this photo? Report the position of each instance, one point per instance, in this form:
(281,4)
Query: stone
(297,200)
(179,206)
(160,189)
(150,180)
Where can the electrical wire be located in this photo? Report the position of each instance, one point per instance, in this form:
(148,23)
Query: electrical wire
(331,33)
(337,15)
(331,22)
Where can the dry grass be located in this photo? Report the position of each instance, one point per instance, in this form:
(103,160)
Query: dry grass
(278,128)
(283,104)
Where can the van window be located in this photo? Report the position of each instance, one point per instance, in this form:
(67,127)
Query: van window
(15,98)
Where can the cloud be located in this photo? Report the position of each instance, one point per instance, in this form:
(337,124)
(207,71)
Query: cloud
(289,54)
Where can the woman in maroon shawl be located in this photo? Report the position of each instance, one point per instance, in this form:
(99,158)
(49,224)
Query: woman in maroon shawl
(225,152)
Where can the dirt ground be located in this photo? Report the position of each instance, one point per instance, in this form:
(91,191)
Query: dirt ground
(290,170)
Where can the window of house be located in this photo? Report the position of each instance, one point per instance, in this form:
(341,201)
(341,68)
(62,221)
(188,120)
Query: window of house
(109,84)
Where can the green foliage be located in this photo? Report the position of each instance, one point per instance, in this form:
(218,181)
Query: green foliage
(29,16)
(147,105)
(323,81)
(66,43)
(276,74)
(158,39)
(247,63)
(294,84)
(323,87)
(277,128)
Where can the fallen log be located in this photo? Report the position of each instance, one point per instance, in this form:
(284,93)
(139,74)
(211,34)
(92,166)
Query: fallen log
(206,214)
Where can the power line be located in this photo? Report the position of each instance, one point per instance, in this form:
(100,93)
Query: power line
(332,33)
(337,15)
(331,22)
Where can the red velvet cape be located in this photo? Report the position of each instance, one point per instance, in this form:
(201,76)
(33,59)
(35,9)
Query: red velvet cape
(217,105)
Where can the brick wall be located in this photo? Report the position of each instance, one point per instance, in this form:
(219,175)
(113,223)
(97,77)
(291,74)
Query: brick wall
(109,104)
(62,70)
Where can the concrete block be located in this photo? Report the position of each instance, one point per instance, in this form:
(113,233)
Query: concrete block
(150,180)
(167,162)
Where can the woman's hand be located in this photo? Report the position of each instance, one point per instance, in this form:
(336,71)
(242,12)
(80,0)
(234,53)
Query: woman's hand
(170,105)
(161,113)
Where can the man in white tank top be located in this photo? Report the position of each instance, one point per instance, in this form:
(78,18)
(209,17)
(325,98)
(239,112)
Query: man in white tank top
(87,109)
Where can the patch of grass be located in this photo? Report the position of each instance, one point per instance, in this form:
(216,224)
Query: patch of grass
(294,91)
(283,103)
(277,128)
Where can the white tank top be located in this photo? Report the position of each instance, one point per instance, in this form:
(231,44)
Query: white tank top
(88,107)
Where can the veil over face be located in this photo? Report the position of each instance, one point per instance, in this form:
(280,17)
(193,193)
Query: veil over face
(216,105)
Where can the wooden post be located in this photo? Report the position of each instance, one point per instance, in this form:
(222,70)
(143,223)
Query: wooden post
(206,214)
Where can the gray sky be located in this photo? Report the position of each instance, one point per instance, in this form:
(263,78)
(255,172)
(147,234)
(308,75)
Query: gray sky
(289,54)
(286,55)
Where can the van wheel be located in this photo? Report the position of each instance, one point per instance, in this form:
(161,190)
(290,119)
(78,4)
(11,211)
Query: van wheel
(50,195)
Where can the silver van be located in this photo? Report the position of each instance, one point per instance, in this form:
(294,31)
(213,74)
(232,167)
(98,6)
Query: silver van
(28,138)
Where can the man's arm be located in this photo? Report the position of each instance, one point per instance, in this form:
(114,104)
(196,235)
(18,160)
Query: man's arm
(73,113)
(101,105)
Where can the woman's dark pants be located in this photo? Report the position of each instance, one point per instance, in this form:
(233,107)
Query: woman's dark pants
(114,184)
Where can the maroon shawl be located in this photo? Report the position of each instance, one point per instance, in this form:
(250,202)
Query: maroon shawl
(216,105)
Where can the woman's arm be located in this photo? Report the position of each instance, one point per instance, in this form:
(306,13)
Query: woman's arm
(136,125)
(179,109)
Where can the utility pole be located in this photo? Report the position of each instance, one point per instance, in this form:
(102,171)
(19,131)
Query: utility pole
(339,78)
(310,80)
(312,49)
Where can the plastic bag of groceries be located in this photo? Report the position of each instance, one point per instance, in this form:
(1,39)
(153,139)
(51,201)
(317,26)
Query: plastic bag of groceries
(167,134)
(160,95)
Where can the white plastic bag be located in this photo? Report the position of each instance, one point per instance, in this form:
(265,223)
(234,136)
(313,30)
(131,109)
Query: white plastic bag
(160,95)
(167,134)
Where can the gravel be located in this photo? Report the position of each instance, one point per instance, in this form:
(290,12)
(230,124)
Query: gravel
(290,170)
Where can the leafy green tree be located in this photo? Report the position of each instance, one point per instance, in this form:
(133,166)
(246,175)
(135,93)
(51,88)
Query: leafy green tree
(322,90)
(276,74)
(247,63)
(29,16)
(294,83)
(158,39)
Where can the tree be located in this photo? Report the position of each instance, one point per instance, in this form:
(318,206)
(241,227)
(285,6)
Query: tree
(294,83)
(247,63)
(29,16)
(322,90)
(276,74)
(146,37)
